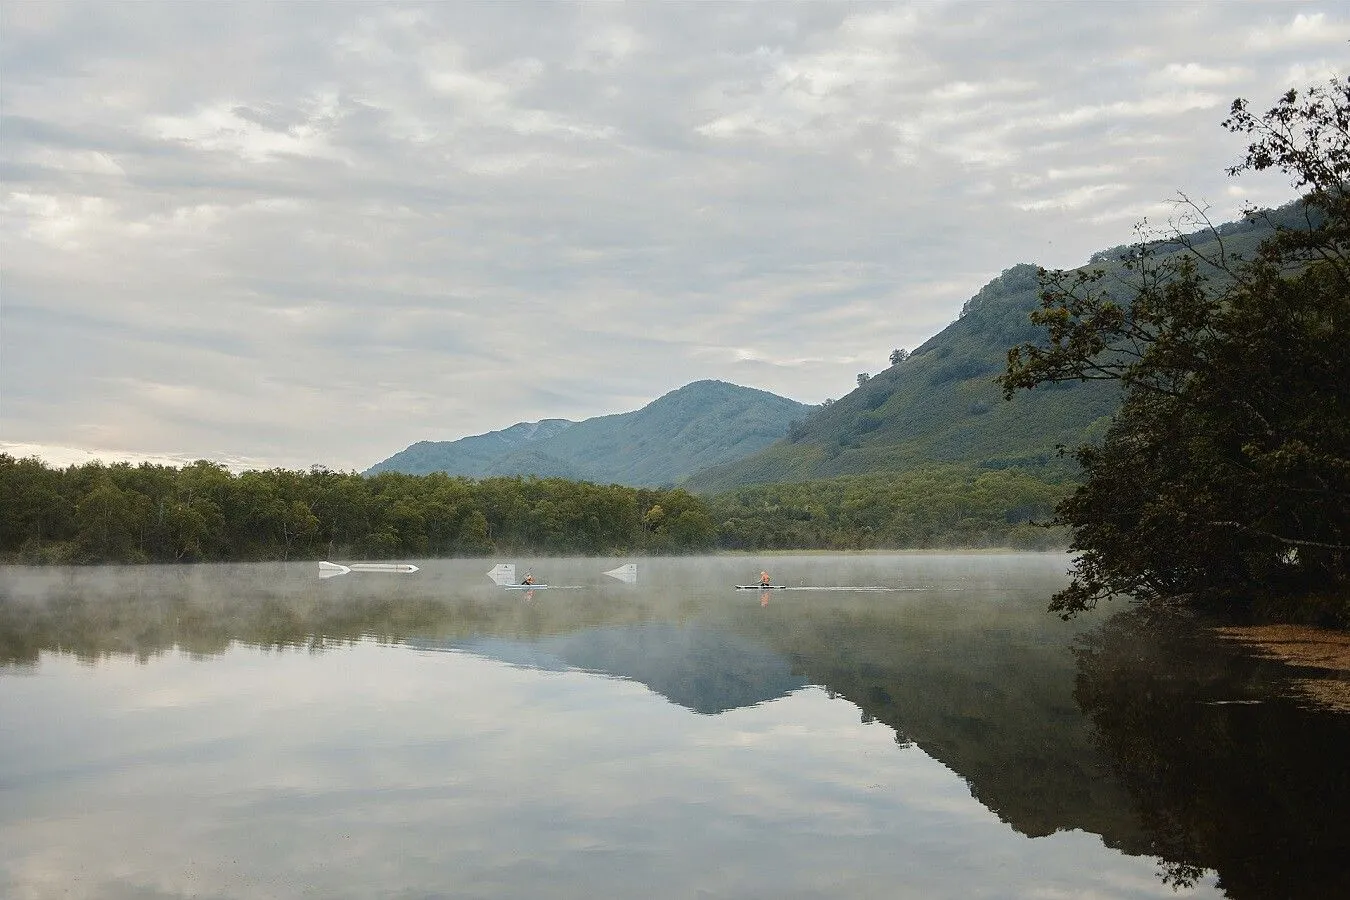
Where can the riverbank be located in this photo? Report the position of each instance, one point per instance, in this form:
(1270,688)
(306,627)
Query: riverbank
(1323,654)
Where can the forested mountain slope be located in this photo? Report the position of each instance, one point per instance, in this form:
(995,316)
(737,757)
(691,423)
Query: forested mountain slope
(941,405)
(702,424)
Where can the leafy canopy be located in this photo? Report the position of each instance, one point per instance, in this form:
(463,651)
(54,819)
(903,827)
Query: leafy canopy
(1225,477)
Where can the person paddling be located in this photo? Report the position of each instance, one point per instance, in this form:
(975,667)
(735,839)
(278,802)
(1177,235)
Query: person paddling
(763,579)
(528,579)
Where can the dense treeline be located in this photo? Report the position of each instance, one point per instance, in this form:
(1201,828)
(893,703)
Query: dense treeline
(149,513)
(935,506)
(202,512)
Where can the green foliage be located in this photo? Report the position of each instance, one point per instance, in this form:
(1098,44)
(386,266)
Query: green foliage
(933,506)
(201,512)
(1226,475)
(125,514)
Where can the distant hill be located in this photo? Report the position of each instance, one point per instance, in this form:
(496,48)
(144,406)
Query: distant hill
(941,405)
(472,456)
(700,425)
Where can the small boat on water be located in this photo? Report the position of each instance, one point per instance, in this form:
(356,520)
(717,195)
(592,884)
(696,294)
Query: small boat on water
(761,587)
(330,569)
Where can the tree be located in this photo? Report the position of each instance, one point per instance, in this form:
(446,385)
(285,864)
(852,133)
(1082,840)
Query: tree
(863,378)
(899,356)
(475,536)
(1225,477)
(297,521)
(693,530)
(108,520)
(34,509)
(187,525)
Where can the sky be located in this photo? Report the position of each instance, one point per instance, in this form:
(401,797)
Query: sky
(296,234)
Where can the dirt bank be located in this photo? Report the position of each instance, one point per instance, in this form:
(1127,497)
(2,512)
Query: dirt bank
(1322,654)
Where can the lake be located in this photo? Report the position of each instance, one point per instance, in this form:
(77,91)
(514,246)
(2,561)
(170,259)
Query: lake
(908,725)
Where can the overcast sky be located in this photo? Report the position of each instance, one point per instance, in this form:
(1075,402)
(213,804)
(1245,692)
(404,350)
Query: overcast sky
(295,233)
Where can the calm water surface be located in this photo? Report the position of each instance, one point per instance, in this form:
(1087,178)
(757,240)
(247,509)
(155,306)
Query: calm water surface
(256,732)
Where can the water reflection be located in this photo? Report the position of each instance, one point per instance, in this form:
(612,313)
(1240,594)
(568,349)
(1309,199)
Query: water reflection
(1122,728)
(703,669)
(1223,771)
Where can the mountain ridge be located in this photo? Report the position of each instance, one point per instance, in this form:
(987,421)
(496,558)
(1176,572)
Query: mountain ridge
(702,424)
(942,404)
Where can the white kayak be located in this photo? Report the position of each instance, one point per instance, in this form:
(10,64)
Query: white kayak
(329,569)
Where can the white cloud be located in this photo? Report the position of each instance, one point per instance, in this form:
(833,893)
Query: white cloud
(58,221)
(957,91)
(1196,75)
(882,27)
(224,127)
(1303,29)
(1076,198)
(1171,104)
(76,162)
(606,47)
(1302,75)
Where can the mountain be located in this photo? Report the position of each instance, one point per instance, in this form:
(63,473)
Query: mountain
(941,405)
(471,456)
(698,426)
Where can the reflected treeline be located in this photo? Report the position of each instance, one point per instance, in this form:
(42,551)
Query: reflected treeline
(202,610)
(1154,734)
(1223,772)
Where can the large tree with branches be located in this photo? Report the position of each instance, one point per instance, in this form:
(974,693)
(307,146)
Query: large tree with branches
(1225,477)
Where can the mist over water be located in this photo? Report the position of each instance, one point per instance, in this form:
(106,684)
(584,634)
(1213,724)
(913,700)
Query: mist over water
(889,725)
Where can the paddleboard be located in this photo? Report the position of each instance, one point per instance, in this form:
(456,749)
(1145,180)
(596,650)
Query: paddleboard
(761,587)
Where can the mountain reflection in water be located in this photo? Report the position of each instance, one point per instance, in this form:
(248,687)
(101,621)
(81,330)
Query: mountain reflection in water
(1165,742)
(702,669)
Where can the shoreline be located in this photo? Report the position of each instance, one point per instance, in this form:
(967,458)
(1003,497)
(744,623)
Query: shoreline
(1322,653)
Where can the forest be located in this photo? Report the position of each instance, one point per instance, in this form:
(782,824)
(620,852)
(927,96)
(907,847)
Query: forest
(929,507)
(97,513)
